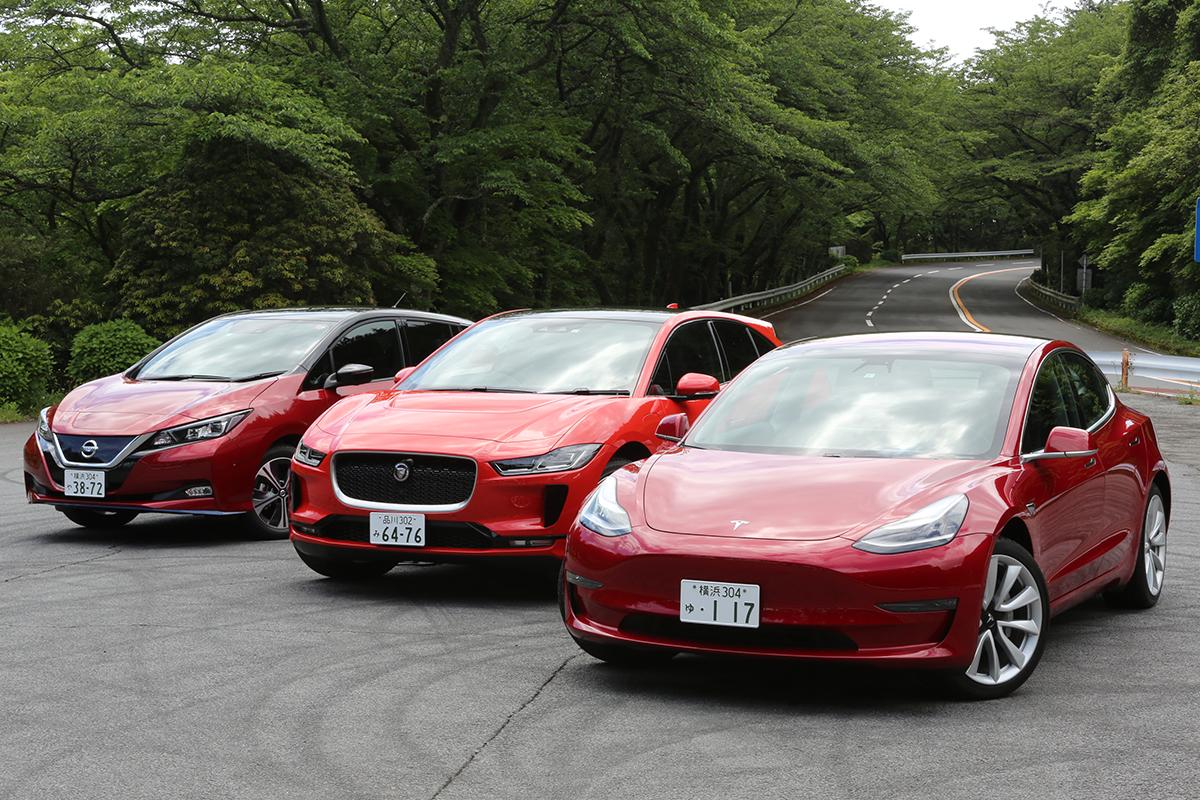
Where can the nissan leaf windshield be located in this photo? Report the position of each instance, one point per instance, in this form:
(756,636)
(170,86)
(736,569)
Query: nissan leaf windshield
(236,349)
(551,354)
(868,403)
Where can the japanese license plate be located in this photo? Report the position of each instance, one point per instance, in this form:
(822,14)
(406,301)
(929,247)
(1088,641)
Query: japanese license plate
(83,483)
(401,530)
(709,603)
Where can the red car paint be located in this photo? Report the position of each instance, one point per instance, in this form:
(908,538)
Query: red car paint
(799,516)
(154,480)
(505,516)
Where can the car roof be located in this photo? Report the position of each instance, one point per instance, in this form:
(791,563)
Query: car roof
(1017,348)
(638,314)
(349,312)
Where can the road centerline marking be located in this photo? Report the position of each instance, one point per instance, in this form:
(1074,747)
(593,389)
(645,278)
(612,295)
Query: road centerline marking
(956,299)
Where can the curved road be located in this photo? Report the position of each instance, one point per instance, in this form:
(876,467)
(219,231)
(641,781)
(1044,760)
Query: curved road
(178,658)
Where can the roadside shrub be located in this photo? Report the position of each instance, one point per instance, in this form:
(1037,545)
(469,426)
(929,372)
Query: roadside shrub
(1159,311)
(849,262)
(1135,299)
(107,348)
(25,368)
(1187,316)
(890,254)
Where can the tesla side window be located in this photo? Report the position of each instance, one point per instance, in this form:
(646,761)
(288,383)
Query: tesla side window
(1050,405)
(424,337)
(548,354)
(739,348)
(375,344)
(235,349)
(690,349)
(883,404)
(1088,388)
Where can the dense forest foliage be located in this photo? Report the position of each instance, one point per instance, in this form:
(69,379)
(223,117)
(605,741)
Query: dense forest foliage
(165,160)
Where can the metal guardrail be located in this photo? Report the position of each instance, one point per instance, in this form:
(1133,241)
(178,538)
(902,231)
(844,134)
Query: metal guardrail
(772,297)
(1179,370)
(1050,296)
(966,256)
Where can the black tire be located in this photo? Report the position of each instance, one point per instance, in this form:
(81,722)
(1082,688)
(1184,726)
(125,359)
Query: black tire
(1138,593)
(625,656)
(345,570)
(99,520)
(268,516)
(964,687)
(615,464)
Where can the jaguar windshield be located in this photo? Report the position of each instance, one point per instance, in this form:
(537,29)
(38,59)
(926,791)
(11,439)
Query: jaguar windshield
(875,403)
(548,353)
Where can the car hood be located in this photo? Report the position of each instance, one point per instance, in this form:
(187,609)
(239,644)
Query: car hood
(479,416)
(116,406)
(803,498)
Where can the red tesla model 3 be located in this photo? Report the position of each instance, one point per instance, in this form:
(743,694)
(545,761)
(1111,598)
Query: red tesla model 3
(918,499)
(207,423)
(489,447)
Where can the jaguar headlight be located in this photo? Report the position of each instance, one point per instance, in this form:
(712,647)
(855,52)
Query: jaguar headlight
(203,430)
(934,525)
(563,459)
(602,513)
(308,456)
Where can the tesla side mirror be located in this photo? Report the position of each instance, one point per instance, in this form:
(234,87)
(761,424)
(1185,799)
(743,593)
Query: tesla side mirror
(404,373)
(350,375)
(1065,442)
(696,386)
(673,428)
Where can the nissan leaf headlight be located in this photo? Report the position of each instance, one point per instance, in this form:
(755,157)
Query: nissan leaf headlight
(602,513)
(43,428)
(198,431)
(563,459)
(934,525)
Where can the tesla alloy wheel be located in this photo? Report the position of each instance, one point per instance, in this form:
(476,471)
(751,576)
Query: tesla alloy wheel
(1146,585)
(269,512)
(1012,625)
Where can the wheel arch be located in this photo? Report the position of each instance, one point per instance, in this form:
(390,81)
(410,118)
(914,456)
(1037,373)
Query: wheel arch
(1163,484)
(1017,531)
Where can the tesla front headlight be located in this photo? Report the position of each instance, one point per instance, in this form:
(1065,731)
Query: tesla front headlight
(43,428)
(563,459)
(602,513)
(198,431)
(934,525)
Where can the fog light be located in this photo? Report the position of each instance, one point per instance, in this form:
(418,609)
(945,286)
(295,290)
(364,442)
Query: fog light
(199,491)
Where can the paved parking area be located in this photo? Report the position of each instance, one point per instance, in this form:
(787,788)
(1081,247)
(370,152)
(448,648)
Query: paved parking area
(177,658)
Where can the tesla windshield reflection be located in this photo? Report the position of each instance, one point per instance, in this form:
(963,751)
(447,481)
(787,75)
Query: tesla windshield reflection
(552,354)
(236,348)
(874,404)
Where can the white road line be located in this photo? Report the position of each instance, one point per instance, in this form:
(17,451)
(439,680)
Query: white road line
(951,269)
(933,272)
(988,264)
(906,280)
(1017,292)
(870,324)
(806,302)
(871,313)
(894,286)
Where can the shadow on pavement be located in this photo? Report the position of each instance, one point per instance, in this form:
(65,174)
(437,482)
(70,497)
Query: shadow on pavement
(160,530)
(490,583)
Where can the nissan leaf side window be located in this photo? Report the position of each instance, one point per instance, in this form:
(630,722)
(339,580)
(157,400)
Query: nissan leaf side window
(1050,406)
(739,348)
(376,344)
(690,349)
(1088,389)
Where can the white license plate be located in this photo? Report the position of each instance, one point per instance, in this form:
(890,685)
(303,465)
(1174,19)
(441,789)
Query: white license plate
(709,603)
(83,483)
(401,530)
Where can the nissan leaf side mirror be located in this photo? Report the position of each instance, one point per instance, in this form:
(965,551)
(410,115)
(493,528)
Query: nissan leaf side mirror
(697,386)
(1064,442)
(673,428)
(404,373)
(350,375)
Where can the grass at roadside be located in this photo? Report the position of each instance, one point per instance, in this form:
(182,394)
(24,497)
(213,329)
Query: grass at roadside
(10,413)
(1157,337)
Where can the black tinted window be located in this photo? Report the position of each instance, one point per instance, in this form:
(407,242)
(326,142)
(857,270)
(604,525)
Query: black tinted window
(764,344)
(690,349)
(375,344)
(1088,389)
(739,348)
(1050,406)
(425,337)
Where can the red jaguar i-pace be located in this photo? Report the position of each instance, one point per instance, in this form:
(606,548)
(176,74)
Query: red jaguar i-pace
(207,423)
(489,447)
(917,499)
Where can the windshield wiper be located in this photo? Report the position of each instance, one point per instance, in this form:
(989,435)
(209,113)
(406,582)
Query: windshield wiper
(222,378)
(259,376)
(617,392)
(475,389)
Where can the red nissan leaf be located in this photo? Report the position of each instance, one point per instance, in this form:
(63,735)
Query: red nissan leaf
(489,447)
(917,499)
(207,423)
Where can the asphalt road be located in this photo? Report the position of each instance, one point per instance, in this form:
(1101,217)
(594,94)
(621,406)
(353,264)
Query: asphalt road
(178,658)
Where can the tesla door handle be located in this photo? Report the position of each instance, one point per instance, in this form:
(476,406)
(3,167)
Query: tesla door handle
(1091,463)
(1135,441)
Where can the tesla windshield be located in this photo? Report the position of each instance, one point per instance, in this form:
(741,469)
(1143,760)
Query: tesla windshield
(872,403)
(552,354)
(236,349)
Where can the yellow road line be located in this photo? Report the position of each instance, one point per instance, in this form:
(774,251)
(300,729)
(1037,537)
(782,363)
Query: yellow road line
(963,313)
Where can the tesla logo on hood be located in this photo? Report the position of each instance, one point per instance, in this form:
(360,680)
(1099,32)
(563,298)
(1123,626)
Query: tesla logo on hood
(401,471)
(737,523)
(89,448)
